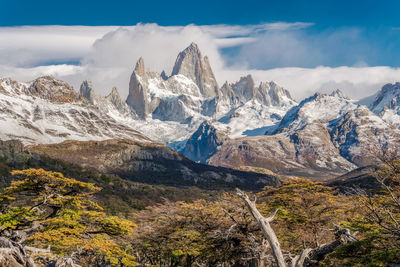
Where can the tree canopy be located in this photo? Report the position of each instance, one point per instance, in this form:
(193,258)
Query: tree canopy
(43,208)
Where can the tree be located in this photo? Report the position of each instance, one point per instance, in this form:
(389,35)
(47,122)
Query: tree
(201,233)
(303,205)
(307,210)
(44,208)
(378,222)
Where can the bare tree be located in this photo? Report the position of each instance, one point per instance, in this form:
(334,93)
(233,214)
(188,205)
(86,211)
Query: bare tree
(307,256)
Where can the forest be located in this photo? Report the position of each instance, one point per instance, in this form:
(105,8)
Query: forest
(47,219)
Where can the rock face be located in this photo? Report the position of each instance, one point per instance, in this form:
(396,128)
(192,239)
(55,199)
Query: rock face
(386,103)
(150,163)
(51,89)
(11,147)
(194,66)
(48,110)
(138,97)
(324,136)
(181,102)
(204,143)
(151,95)
(121,107)
(360,136)
(111,104)
(266,93)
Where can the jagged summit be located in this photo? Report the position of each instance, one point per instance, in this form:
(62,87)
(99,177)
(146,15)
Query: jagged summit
(114,92)
(339,93)
(193,65)
(387,98)
(266,93)
(48,110)
(138,90)
(320,108)
(86,90)
(52,89)
(164,75)
(111,104)
(387,103)
(140,68)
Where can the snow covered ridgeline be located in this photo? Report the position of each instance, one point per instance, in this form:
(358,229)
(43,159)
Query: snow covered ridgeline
(48,110)
(323,136)
(166,109)
(319,132)
(191,95)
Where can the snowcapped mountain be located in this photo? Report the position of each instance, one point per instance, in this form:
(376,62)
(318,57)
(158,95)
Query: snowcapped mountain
(241,124)
(166,109)
(319,108)
(386,103)
(323,136)
(175,106)
(48,110)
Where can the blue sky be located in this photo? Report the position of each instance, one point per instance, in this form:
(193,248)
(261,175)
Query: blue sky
(325,13)
(306,46)
(376,26)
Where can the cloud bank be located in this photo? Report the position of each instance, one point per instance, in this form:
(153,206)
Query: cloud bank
(292,54)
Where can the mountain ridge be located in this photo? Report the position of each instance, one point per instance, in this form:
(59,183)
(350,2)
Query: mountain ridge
(256,125)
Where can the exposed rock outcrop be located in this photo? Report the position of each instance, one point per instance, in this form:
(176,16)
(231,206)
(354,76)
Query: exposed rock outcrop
(386,104)
(48,110)
(324,136)
(138,97)
(204,143)
(193,65)
(56,91)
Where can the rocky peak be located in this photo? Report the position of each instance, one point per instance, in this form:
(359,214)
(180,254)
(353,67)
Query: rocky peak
(363,129)
(138,98)
(140,68)
(266,94)
(387,98)
(339,93)
(204,142)
(244,89)
(164,75)
(86,90)
(194,66)
(114,96)
(226,92)
(319,108)
(115,99)
(57,91)
(271,94)
(114,92)
(8,85)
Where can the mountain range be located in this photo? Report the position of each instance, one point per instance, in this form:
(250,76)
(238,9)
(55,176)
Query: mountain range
(241,125)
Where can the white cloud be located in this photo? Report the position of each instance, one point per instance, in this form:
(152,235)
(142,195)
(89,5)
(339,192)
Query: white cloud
(33,45)
(107,55)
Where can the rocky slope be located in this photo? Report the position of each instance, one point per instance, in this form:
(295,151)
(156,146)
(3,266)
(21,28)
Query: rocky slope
(166,109)
(386,103)
(324,136)
(179,103)
(239,125)
(204,143)
(149,162)
(48,110)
